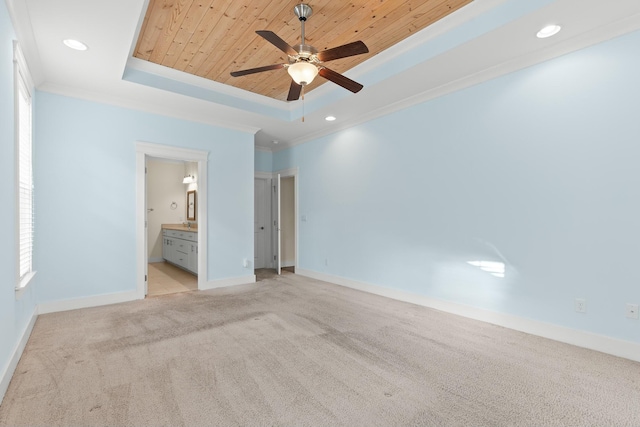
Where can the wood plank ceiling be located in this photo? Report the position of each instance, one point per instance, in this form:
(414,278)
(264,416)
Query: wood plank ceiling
(211,38)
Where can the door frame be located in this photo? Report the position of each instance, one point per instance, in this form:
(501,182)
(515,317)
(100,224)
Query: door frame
(144,149)
(287,173)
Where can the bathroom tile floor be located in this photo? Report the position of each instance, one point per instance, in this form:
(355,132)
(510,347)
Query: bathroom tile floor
(165,278)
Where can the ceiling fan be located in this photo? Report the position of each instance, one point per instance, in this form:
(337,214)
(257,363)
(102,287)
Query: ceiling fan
(305,62)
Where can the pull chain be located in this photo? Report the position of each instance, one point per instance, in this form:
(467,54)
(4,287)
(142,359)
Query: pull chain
(302,104)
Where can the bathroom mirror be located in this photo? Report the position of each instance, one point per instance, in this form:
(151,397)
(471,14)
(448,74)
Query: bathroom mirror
(191,205)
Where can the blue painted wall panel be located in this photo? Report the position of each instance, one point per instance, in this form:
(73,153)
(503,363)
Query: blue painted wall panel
(85,175)
(14,313)
(537,169)
(263,161)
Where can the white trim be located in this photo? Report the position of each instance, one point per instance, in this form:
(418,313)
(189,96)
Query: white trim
(617,347)
(169,152)
(138,104)
(450,22)
(288,263)
(262,175)
(87,302)
(24,283)
(23,69)
(10,367)
(22,80)
(231,281)
(286,173)
(155,259)
(24,33)
(144,149)
(206,84)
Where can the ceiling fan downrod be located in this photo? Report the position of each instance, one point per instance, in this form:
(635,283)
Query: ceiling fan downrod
(303,12)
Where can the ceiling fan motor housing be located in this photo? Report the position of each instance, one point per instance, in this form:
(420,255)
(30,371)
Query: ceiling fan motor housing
(305,52)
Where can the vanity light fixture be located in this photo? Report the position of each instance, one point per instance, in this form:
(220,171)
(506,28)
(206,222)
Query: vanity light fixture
(548,31)
(330,118)
(189,179)
(75,44)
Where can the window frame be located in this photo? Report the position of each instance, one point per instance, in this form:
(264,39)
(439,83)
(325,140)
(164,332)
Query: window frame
(23,83)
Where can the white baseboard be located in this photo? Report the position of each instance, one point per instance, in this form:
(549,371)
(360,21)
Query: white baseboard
(94,301)
(288,264)
(232,281)
(151,260)
(9,369)
(614,346)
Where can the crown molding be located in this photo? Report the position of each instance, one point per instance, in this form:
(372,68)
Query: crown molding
(201,82)
(426,35)
(599,35)
(24,34)
(137,104)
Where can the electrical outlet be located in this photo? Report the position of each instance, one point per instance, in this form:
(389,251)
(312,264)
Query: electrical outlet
(580,304)
(632,311)
(246,263)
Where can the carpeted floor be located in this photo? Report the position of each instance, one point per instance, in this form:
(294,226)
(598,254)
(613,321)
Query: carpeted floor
(293,351)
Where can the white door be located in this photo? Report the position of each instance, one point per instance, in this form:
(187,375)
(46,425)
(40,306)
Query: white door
(146,232)
(260,222)
(278,228)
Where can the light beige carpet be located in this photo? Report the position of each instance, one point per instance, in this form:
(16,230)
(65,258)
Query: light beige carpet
(292,351)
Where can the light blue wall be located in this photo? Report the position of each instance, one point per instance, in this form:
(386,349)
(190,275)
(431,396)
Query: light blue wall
(263,161)
(14,314)
(85,175)
(540,167)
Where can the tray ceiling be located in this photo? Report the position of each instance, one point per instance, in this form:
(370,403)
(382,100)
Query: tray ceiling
(211,38)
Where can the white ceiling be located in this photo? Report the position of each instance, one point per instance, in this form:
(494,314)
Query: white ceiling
(483,40)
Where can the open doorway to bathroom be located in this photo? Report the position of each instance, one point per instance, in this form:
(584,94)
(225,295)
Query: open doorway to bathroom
(171,218)
(172,226)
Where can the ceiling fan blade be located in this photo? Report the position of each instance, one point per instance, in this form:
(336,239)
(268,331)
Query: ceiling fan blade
(341,80)
(256,70)
(273,38)
(350,49)
(294,91)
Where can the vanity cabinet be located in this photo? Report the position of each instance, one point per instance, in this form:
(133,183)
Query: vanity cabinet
(181,248)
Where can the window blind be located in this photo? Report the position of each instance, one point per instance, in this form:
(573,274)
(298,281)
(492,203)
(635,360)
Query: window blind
(25,180)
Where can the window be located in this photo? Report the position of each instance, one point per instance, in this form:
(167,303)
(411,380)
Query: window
(24,159)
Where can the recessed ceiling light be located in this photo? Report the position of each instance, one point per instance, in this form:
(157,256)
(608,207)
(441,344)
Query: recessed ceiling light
(275,142)
(75,44)
(330,118)
(548,31)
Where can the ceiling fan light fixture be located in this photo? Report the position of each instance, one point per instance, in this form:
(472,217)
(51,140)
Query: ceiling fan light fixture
(303,72)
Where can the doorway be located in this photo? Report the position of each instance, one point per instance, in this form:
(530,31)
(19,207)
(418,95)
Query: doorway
(144,152)
(167,211)
(276,204)
(262,223)
(287,224)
